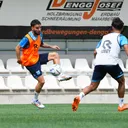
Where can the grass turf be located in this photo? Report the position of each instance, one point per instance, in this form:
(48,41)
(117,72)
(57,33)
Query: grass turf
(61,116)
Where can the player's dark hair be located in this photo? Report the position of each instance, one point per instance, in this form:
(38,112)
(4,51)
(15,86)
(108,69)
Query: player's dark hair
(118,24)
(35,22)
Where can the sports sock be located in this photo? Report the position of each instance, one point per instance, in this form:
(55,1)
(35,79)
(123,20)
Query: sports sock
(81,95)
(121,102)
(36,94)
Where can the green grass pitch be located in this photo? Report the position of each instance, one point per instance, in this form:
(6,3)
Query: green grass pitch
(61,116)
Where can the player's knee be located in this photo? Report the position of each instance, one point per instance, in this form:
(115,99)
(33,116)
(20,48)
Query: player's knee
(55,54)
(41,82)
(121,81)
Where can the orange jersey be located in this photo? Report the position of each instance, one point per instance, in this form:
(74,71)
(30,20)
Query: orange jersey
(30,55)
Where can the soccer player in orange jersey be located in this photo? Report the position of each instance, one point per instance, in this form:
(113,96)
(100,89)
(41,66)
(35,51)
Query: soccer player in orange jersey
(32,60)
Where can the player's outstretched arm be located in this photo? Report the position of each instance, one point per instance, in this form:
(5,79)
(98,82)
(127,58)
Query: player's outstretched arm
(45,45)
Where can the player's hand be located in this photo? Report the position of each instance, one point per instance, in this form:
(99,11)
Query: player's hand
(56,47)
(19,61)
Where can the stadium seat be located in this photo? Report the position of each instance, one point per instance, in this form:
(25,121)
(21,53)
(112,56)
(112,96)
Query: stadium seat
(2,84)
(82,65)
(2,68)
(15,83)
(30,82)
(67,66)
(51,83)
(13,66)
(104,85)
(83,81)
(68,85)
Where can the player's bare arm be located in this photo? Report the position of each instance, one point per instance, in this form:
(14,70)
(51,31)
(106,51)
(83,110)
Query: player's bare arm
(45,45)
(18,48)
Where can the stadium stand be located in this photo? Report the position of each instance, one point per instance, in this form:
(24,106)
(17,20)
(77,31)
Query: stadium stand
(80,64)
(16,80)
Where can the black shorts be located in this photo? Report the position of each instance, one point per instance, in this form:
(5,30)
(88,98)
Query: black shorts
(101,70)
(35,69)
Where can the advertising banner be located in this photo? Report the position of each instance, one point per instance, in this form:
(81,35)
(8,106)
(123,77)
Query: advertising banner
(61,18)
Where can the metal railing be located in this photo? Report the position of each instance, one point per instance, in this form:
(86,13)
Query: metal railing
(9,45)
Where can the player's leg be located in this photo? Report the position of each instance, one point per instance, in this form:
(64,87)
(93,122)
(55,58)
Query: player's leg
(117,73)
(121,90)
(121,93)
(56,60)
(45,57)
(36,72)
(98,75)
(38,88)
(93,86)
(40,84)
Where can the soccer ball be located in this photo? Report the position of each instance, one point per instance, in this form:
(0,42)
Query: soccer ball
(55,70)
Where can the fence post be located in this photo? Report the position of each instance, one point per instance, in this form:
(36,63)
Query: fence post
(66,46)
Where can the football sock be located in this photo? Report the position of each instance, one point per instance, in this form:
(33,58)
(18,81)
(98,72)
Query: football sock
(36,95)
(81,95)
(121,102)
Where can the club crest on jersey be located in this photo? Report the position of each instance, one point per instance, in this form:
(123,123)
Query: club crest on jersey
(106,46)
